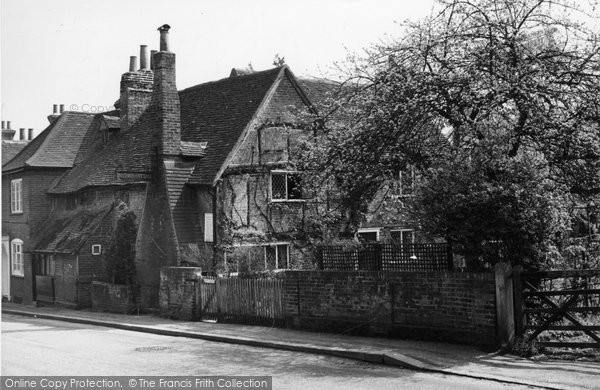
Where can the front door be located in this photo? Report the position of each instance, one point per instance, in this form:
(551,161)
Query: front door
(5,268)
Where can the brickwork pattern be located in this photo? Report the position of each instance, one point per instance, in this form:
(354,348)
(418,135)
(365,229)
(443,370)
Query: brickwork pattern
(454,307)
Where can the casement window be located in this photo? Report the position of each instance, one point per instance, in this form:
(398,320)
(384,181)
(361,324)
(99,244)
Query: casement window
(208,227)
(276,256)
(403,236)
(369,234)
(16,196)
(16,247)
(44,265)
(404,184)
(286,186)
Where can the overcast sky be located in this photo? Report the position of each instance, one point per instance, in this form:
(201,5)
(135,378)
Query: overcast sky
(73,52)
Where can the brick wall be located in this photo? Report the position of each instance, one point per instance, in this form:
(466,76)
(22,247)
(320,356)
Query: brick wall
(36,208)
(177,295)
(452,307)
(114,298)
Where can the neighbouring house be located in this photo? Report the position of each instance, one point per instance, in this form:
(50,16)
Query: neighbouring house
(25,203)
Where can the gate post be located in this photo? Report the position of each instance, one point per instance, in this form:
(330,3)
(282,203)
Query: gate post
(504,305)
(518,300)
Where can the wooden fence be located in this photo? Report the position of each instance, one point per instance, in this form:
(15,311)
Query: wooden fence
(558,308)
(386,257)
(242,301)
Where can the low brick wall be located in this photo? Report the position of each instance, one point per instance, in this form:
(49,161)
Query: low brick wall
(177,294)
(444,306)
(114,298)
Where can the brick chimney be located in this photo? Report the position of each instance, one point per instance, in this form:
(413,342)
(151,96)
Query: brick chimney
(55,114)
(165,104)
(7,133)
(135,92)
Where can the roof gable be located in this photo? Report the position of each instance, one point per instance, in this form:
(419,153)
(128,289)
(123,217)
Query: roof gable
(57,145)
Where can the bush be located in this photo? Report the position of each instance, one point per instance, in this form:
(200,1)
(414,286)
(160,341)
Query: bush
(120,257)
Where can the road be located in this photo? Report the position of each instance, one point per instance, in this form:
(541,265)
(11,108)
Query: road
(33,346)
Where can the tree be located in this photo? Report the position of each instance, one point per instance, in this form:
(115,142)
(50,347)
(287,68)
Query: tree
(489,84)
(120,257)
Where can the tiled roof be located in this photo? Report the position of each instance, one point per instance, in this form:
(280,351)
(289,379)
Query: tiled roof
(317,89)
(57,145)
(10,149)
(66,233)
(218,112)
(123,159)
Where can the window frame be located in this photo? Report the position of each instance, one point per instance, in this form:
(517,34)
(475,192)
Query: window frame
(16,196)
(98,250)
(402,232)
(276,246)
(17,262)
(287,194)
(399,187)
(370,230)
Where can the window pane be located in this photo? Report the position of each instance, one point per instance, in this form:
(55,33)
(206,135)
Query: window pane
(270,259)
(368,236)
(294,186)
(278,190)
(282,256)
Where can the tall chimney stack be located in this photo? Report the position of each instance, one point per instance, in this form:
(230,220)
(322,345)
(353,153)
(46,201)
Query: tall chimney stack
(165,99)
(62,108)
(22,134)
(164,37)
(55,109)
(30,135)
(2,125)
(8,125)
(144,57)
(133,63)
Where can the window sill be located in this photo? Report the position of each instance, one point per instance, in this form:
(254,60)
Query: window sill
(288,200)
(17,276)
(16,213)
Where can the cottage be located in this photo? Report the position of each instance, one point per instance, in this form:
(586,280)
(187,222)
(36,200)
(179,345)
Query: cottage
(208,171)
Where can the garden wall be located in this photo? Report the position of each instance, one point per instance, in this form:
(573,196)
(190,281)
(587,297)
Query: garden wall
(444,306)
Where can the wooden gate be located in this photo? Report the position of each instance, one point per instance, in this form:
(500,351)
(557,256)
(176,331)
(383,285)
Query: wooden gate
(242,301)
(208,299)
(558,308)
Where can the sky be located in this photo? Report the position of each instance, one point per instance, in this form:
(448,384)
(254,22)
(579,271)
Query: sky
(73,52)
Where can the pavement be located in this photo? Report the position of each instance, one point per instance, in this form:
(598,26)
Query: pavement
(443,358)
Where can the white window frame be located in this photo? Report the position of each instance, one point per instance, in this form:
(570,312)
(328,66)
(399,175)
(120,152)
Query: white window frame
(16,196)
(209,234)
(16,257)
(398,193)
(370,230)
(403,231)
(275,245)
(287,195)
(96,249)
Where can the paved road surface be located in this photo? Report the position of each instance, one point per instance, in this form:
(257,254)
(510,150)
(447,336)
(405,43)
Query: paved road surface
(44,347)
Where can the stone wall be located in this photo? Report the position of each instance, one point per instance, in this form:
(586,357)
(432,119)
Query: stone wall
(444,306)
(177,295)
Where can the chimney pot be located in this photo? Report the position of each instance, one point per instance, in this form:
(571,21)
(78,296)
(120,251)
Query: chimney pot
(144,57)
(2,125)
(133,63)
(22,134)
(152,53)
(8,125)
(164,37)
(30,135)
(62,108)
(55,108)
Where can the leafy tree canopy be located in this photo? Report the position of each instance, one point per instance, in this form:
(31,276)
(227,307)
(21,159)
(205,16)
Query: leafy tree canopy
(496,102)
